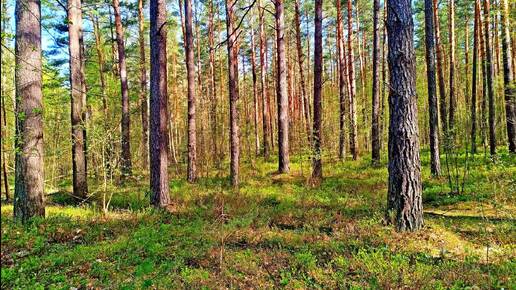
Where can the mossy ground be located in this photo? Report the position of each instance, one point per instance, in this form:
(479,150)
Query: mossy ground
(275,232)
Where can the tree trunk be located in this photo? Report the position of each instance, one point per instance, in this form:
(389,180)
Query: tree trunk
(474,78)
(353,138)
(451,34)
(342,82)
(158,149)
(405,189)
(510,101)
(281,91)
(440,70)
(263,81)
(483,107)
(4,135)
(190,69)
(29,197)
(234,130)
(318,53)
(490,79)
(103,88)
(300,58)
(213,95)
(143,87)
(122,69)
(435,162)
(80,183)
(375,126)
(255,96)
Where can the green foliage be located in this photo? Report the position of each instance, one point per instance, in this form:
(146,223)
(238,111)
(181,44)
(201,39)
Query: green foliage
(276,232)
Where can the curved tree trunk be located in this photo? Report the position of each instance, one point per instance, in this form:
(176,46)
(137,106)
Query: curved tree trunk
(29,196)
(405,189)
(158,149)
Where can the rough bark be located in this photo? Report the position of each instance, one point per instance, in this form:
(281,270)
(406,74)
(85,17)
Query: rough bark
(316,138)
(353,131)
(435,162)
(509,86)
(125,159)
(29,198)
(405,189)
(143,87)
(375,126)
(79,179)
(490,78)
(158,149)
(281,90)
(190,70)
(234,130)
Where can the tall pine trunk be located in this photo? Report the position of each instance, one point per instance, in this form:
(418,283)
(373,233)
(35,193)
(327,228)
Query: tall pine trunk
(80,182)
(318,63)
(143,87)
(375,126)
(473,104)
(29,197)
(125,161)
(263,82)
(510,98)
(300,58)
(281,90)
(190,70)
(353,134)
(342,82)
(405,189)
(234,130)
(435,162)
(158,149)
(440,69)
(451,34)
(490,78)
(255,96)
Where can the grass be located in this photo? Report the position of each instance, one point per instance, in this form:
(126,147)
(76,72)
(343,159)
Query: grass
(275,232)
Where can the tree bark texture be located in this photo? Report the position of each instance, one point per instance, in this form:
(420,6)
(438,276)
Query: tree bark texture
(29,198)
(405,189)
(281,90)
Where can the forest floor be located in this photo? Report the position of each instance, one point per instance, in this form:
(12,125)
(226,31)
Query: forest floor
(275,232)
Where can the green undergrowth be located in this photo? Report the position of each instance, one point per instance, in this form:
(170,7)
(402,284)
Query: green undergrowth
(275,232)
